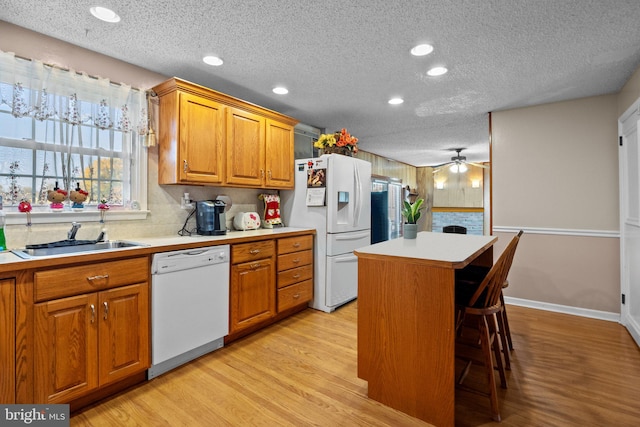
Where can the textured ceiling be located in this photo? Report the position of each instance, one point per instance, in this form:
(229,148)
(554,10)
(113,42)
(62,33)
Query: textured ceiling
(342,60)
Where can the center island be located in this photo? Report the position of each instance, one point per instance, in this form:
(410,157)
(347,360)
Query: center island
(406,309)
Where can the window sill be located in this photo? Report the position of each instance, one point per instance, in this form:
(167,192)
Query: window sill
(93,215)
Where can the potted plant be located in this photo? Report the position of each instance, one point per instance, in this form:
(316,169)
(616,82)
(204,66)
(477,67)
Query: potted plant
(411,213)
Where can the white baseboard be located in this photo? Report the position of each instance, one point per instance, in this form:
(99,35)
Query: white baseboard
(633,327)
(566,309)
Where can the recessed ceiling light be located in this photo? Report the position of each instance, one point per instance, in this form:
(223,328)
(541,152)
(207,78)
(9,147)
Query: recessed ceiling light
(421,50)
(280,90)
(212,60)
(105,14)
(437,71)
(396,101)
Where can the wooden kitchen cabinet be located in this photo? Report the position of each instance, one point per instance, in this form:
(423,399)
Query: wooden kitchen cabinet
(279,160)
(295,271)
(207,137)
(253,290)
(66,348)
(245,148)
(84,341)
(259,151)
(7,340)
(192,138)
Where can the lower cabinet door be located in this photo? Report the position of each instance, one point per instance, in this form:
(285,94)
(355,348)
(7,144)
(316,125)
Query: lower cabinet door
(253,293)
(123,332)
(87,341)
(66,343)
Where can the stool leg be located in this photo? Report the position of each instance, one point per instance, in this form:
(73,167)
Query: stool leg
(507,330)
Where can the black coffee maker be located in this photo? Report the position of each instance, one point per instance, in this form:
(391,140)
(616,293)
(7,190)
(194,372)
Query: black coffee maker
(210,218)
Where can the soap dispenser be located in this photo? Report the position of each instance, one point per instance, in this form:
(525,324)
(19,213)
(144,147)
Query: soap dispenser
(3,240)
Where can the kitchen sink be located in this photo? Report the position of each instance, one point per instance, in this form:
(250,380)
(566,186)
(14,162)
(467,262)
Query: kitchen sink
(70,247)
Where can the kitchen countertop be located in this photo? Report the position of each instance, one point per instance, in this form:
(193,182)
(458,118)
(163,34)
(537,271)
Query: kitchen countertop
(444,249)
(10,262)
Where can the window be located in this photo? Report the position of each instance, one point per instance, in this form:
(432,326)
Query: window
(62,131)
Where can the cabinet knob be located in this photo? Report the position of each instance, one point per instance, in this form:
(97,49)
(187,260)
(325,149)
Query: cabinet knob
(254,251)
(185,167)
(296,296)
(296,276)
(100,277)
(256,265)
(295,261)
(93,313)
(106,309)
(296,245)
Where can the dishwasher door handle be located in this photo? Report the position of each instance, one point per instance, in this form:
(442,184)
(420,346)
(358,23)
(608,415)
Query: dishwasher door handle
(190,253)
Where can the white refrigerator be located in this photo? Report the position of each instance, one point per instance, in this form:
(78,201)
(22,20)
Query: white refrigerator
(333,195)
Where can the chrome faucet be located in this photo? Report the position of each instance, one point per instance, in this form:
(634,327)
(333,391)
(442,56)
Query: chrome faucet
(71,235)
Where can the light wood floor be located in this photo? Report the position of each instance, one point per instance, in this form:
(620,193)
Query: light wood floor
(566,371)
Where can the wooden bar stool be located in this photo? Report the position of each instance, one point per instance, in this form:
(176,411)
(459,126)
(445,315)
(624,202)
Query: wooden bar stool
(478,309)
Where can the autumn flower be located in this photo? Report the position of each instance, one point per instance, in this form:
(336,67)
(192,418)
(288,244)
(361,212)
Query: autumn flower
(342,139)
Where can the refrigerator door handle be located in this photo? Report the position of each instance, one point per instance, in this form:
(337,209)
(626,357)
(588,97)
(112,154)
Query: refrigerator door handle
(346,258)
(351,236)
(358,191)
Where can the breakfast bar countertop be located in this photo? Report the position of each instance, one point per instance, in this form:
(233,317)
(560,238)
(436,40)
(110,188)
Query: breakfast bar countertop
(447,250)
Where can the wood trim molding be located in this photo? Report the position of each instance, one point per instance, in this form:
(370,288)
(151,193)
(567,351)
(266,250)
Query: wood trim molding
(558,231)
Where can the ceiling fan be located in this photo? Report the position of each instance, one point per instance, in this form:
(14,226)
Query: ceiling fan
(458,163)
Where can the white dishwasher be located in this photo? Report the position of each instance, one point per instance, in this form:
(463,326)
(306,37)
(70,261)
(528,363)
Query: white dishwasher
(189,305)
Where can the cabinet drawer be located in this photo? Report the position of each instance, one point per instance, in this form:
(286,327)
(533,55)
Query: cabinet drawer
(294,259)
(294,244)
(245,252)
(295,295)
(294,275)
(62,282)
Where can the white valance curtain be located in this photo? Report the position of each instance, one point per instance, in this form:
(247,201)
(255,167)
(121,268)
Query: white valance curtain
(84,131)
(42,92)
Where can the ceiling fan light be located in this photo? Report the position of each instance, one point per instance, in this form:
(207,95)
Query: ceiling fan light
(462,168)
(454,168)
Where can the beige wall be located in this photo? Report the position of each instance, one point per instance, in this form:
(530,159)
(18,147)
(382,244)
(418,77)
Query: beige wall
(555,175)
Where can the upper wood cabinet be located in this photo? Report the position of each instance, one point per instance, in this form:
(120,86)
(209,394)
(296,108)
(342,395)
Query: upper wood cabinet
(192,132)
(245,148)
(279,160)
(207,137)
